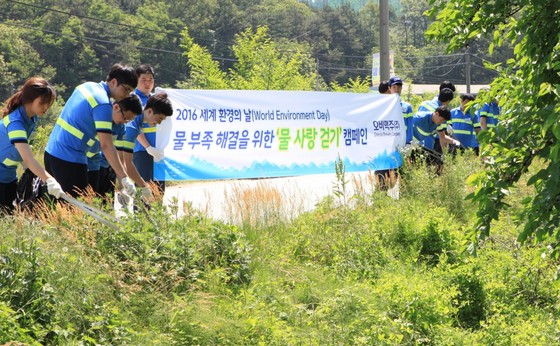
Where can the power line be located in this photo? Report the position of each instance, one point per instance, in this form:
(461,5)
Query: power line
(94,18)
(92,39)
(111,22)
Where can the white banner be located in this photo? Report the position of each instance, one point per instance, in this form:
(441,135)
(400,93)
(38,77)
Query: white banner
(217,134)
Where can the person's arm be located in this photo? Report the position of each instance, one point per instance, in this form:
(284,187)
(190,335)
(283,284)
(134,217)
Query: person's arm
(143,140)
(483,123)
(53,187)
(30,162)
(156,153)
(133,173)
(110,153)
(445,139)
(131,169)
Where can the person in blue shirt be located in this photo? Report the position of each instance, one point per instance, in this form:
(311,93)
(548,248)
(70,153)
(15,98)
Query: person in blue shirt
(387,177)
(426,124)
(444,97)
(157,109)
(489,114)
(395,86)
(19,121)
(145,151)
(106,181)
(465,123)
(87,120)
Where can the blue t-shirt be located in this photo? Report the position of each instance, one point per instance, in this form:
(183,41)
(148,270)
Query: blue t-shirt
(407,115)
(132,130)
(118,140)
(492,112)
(87,112)
(424,129)
(431,106)
(16,127)
(464,125)
(148,130)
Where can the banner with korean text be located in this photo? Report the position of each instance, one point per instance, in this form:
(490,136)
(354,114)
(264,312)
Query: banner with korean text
(223,134)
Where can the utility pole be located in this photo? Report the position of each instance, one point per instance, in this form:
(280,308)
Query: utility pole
(317,74)
(468,69)
(384,39)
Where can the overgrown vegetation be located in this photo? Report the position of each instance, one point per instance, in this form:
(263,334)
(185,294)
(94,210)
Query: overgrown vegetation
(364,270)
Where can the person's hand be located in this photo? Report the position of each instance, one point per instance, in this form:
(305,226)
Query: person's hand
(54,188)
(456,142)
(147,194)
(156,153)
(128,186)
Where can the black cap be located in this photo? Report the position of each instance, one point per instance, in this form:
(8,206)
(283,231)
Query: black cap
(395,80)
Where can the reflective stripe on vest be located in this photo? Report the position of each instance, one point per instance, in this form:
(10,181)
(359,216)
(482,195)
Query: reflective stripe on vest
(428,106)
(88,96)
(149,129)
(71,129)
(10,163)
(74,131)
(465,121)
(424,133)
(17,134)
(128,145)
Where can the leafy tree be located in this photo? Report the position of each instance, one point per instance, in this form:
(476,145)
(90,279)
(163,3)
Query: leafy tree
(160,34)
(21,59)
(7,79)
(71,56)
(340,42)
(357,85)
(114,42)
(205,73)
(283,18)
(528,91)
(259,65)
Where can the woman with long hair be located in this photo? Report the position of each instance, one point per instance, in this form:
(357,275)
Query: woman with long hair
(19,121)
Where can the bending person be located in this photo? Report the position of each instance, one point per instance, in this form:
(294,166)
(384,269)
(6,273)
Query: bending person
(145,151)
(87,120)
(18,124)
(157,109)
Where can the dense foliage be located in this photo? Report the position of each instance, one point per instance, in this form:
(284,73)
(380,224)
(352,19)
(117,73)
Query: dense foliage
(528,91)
(361,269)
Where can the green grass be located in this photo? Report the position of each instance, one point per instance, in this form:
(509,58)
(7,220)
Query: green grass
(362,270)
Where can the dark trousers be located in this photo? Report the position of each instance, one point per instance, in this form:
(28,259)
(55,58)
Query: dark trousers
(7,196)
(93,180)
(107,181)
(144,163)
(429,157)
(72,177)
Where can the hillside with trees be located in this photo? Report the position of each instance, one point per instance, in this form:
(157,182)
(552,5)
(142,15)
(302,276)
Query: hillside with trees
(69,42)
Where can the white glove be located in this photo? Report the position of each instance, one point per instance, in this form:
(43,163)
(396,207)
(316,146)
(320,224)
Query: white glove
(156,153)
(128,186)
(147,193)
(449,129)
(54,188)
